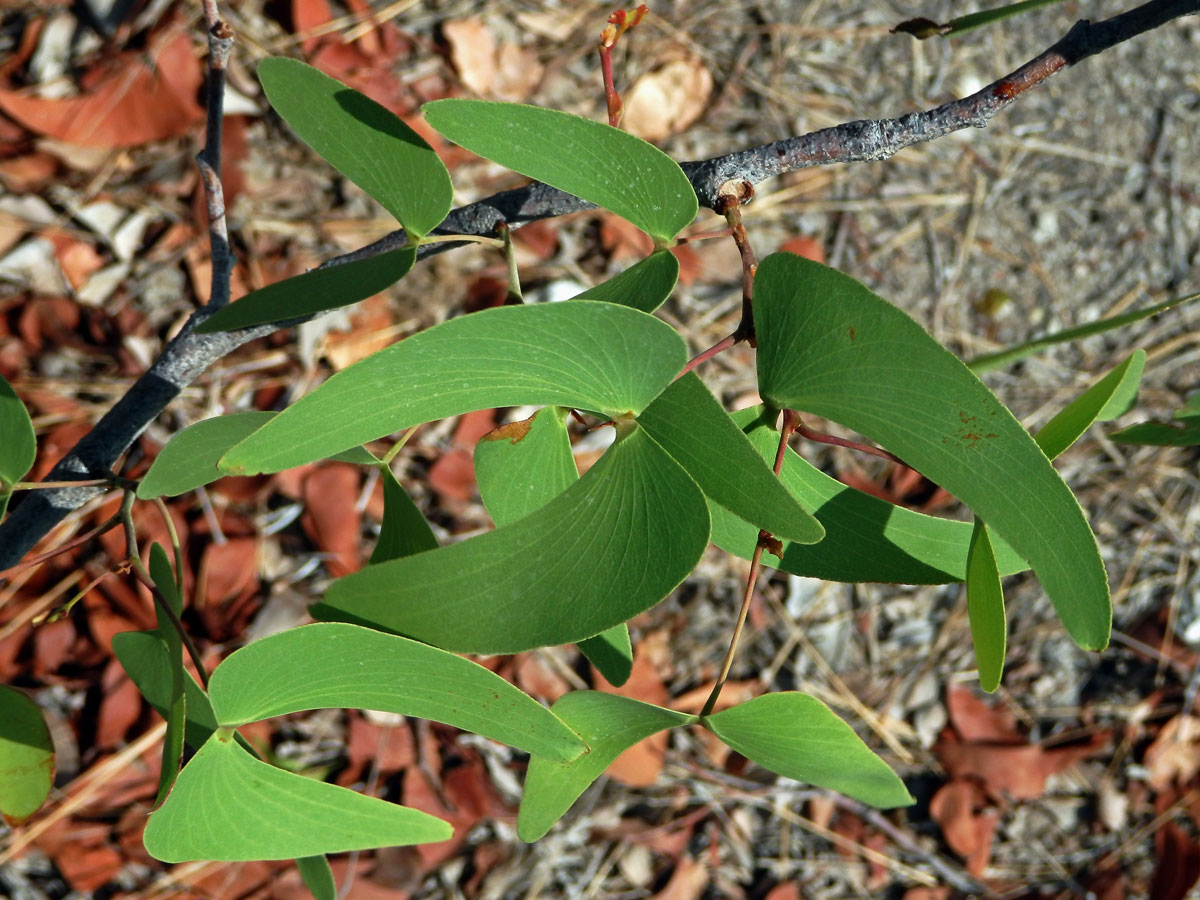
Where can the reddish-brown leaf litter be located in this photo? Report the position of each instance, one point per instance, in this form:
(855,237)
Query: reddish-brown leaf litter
(103,254)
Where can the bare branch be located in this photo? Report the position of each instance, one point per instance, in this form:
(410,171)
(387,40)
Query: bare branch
(189,354)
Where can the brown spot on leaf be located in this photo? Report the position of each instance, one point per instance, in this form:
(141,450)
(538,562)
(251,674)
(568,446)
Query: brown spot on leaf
(513,432)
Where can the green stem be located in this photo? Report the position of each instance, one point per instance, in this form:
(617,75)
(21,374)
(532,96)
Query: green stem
(135,563)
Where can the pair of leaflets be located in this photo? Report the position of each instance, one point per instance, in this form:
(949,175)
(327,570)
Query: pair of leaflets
(385,157)
(789,733)
(829,346)
(228,805)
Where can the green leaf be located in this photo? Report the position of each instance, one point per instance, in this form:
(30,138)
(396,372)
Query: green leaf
(172,756)
(610,724)
(798,736)
(587,355)
(189,458)
(1107,398)
(601,164)
(866,538)
(589,559)
(1166,434)
(18,449)
(362,140)
(611,652)
(688,422)
(404,530)
(26,756)
(989,16)
(313,292)
(522,466)
(317,877)
(165,580)
(645,285)
(991,361)
(229,806)
(147,662)
(985,608)
(173,741)
(828,346)
(356,456)
(328,666)
(1160,434)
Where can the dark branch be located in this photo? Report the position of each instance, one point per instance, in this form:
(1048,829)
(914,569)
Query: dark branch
(189,354)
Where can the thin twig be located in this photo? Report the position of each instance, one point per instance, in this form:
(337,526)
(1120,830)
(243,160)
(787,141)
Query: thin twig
(704,356)
(515,295)
(733,195)
(823,438)
(220,43)
(790,418)
(189,354)
(139,569)
(618,23)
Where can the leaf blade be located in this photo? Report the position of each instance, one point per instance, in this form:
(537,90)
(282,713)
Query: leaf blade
(602,558)
(608,167)
(349,666)
(404,530)
(519,468)
(313,292)
(18,450)
(1103,399)
(189,459)
(610,724)
(522,466)
(611,652)
(867,539)
(844,353)
(588,355)
(688,422)
(228,806)
(985,608)
(145,658)
(988,362)
(362,140)
(800,737)
(26,756)
(645,285)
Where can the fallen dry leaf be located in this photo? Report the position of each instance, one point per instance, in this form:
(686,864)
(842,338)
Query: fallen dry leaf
(473,53)
(808,247)
(507,72)
(785,890)
(968,830)
(977,720)
(667,100)
(1013,771)
(1174,756)
(331,517)
(388,749)
(132,102)
(623,240)
(453,475)
(687,882)
(28,173)
(228,571)
(1178,863)
(535,677)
